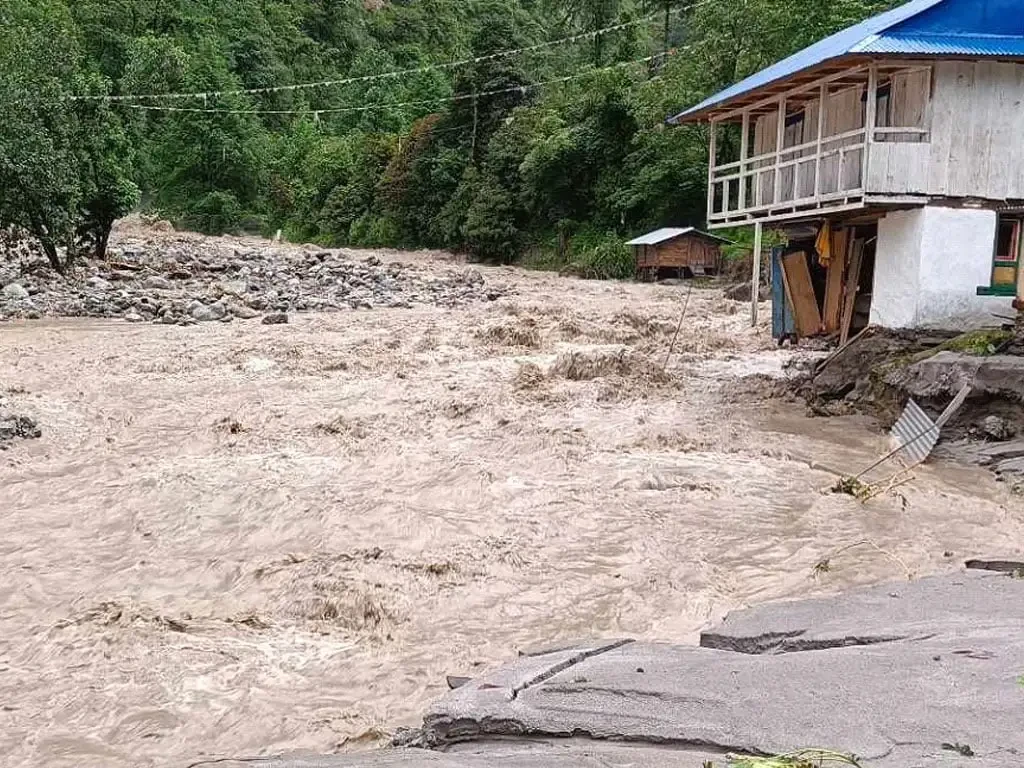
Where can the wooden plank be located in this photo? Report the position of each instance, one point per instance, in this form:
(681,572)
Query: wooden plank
(834,280)
(850,290)
(800,291)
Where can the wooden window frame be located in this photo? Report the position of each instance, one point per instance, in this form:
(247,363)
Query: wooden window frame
(1017,244)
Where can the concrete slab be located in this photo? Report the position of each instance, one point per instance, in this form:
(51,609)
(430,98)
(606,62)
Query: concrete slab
(901,611)
(943,670)
(909,675)
(562,753)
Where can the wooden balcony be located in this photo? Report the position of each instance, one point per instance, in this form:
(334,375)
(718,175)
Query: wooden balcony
(809,150)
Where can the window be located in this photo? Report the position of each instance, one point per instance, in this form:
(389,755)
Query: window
(1006,260)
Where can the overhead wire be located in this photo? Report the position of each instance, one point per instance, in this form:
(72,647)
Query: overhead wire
(316,113)
(424,69)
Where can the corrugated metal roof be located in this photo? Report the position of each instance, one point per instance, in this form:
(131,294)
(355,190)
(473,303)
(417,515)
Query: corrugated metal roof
(921,27)
(946,45)
(659,236)
(670,233)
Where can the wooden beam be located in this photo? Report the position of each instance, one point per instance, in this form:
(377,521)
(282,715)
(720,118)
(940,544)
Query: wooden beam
(712,158)
(780,139)
(755,281)
(869,122)
(851,289)
(822,100)
(744,151)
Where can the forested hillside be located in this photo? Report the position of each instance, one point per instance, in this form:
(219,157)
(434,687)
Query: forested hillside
(487,156)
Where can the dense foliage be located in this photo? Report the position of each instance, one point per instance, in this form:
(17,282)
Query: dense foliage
(553,173)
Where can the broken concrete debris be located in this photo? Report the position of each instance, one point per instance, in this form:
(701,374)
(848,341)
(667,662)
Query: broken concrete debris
(879,673)
(14,427)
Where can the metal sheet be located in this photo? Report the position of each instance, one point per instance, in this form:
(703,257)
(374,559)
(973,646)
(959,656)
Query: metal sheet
(946,45)
(916,433)
(668,233)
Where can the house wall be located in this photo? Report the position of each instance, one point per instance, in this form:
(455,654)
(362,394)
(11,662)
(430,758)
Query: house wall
(929,263)
(977,114)
(681,252)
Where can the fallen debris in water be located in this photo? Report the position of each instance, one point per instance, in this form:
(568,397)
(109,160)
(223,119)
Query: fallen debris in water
(807,758)
(14,426)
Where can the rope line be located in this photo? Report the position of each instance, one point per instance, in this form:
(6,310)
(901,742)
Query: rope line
(204,95)
(316,113)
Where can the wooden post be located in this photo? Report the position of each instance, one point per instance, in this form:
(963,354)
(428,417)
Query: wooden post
(755,286)
(822,100)
(870,111)
(780,140)
(744,151)
(712,160)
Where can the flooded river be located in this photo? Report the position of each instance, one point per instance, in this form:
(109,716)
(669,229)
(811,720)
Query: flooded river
(241,540)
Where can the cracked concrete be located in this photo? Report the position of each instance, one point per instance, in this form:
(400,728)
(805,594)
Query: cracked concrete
(903,676)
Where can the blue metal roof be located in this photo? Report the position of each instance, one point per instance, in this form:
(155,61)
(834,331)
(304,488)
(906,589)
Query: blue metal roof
(921,28)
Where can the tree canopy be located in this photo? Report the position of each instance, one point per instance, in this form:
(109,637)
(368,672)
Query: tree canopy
(502,156)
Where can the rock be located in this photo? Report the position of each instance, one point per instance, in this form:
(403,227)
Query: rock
(158,282)
(15,292)
(134,317)
(206,313)
(236,288)
(275,318)
(243,312)
(998,428)
(99,283)
(256,302)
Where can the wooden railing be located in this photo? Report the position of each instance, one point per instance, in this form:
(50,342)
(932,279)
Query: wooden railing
(822,173)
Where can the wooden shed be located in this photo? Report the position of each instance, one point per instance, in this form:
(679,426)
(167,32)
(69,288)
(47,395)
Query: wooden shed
(674,252)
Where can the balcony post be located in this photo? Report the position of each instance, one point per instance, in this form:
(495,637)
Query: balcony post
(871,108)
(712,161)
(780,139)
(822,102)
(744,152)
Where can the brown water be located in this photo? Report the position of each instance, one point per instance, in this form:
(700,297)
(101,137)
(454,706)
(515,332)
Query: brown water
(239,539)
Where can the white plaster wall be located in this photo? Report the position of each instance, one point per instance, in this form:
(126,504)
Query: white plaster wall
(929,264)
(957,247)
(897,266)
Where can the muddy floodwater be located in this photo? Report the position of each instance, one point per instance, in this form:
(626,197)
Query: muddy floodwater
(238,539)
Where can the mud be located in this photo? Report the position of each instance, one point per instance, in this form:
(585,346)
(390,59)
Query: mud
(246,539)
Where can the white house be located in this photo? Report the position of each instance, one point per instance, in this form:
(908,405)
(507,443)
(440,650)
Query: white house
(905,133)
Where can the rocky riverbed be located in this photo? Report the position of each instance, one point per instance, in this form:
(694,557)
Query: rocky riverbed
(184,279)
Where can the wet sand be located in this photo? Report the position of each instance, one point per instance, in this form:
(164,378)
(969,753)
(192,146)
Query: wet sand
(240,539)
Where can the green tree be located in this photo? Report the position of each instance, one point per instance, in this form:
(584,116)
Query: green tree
(65,171)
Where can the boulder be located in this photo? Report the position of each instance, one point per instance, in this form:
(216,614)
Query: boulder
(159,282)
(206,313)
(99,283)
(15,292)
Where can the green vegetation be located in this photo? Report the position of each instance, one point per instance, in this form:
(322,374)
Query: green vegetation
(806,758)
(560,172)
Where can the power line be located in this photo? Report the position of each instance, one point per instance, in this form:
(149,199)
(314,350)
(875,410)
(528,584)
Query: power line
(316,113)
(204,95)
